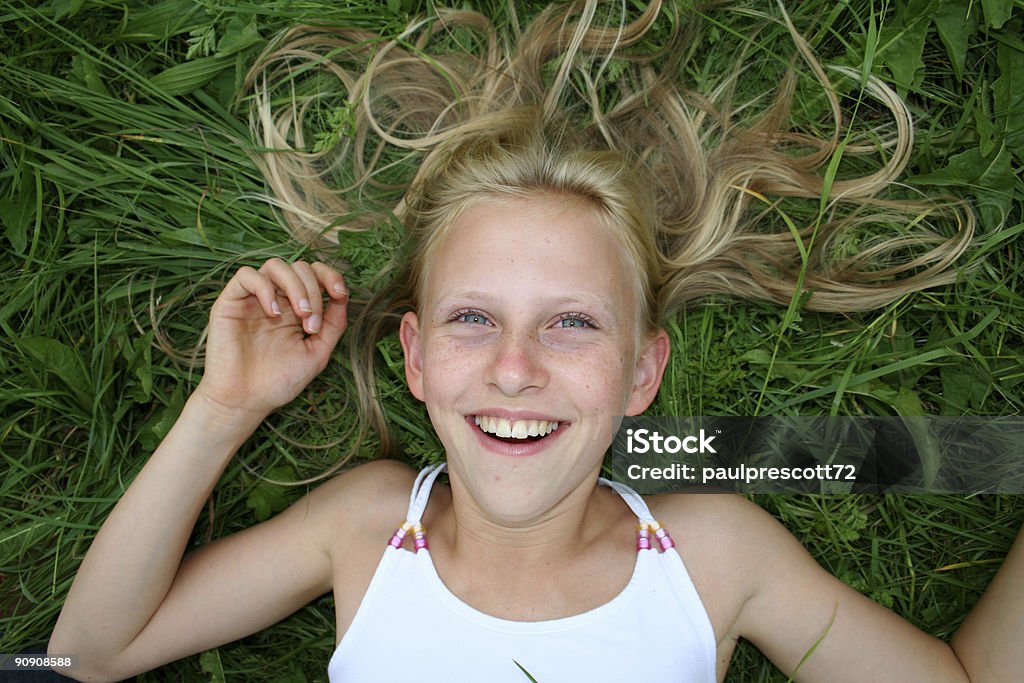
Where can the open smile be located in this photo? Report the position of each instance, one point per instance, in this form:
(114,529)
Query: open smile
(514,429)
(518,437)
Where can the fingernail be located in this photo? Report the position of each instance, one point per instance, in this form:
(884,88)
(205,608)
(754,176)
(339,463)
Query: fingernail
(313,323)
(340,288)
(304,305)
(275,308)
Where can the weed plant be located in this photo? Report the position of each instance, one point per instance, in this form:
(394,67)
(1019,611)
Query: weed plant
(128,196)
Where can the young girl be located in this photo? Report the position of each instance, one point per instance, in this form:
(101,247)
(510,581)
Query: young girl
(542,262)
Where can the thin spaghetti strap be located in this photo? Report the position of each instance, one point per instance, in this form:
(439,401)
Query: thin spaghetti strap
(417,504)
(632,498)
(421,491)
(647,524)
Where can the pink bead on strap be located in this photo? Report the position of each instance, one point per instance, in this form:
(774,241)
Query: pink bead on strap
(419,539)
(419,536)
(398,538)
(643,537)
(661,533)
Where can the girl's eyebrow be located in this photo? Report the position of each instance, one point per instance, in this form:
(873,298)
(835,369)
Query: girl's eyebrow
(589,301)
(473,294)
(594,301)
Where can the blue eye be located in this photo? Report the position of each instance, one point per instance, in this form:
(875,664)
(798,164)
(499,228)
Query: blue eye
(576,321)
(471,317)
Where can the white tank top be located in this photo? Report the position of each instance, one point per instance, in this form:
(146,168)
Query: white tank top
(410,627)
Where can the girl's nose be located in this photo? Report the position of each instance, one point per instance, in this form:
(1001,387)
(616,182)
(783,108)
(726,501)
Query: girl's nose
(517,365)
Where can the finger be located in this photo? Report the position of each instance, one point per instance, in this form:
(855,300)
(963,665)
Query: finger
(331,280)
(313,300)
(288,282)
(250,282)
(334,323)
(335,318)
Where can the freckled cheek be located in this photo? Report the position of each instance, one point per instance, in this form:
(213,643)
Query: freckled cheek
(448,362)
(603,380)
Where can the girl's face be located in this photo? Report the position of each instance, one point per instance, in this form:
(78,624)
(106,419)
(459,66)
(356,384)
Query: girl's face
(527,351)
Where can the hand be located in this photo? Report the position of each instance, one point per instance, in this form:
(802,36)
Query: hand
(270,334)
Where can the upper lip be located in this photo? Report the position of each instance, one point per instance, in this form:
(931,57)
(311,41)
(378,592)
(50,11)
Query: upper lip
(515,415)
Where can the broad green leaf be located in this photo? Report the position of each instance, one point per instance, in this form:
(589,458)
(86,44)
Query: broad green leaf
(929,450)
(182,79)
(989,177)
(964,388)
(956,24)
(157,426)
(238,36)
(997,12)
(18,213)
(85,71)
(138,357)
(901,44)
(268,498)
(62,360)
(1008,97)
(210,663)
(907,404)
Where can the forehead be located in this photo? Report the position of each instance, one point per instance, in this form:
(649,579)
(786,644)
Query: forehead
(551,247)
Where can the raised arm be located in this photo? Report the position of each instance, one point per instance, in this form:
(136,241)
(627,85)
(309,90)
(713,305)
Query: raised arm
(809,622)
(134,604)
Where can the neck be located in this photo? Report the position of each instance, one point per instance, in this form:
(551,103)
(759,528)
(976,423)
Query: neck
(571,558)
(545,537)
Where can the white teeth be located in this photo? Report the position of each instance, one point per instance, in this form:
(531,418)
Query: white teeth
(515,429)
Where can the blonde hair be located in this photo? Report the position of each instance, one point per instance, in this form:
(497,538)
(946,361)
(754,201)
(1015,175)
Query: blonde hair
(672,172)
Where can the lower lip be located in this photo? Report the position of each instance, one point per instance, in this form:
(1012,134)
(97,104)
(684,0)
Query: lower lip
(522,449)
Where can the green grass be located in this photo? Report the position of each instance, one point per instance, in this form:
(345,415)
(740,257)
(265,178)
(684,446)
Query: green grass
(126,199)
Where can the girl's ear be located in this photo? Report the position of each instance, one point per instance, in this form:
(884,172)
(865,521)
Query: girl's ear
(409,334)
(650,368)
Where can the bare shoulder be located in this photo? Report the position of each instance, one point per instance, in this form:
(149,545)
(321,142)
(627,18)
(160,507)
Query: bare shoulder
(725,507)
(387,478)
(363,498)
(725,542)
